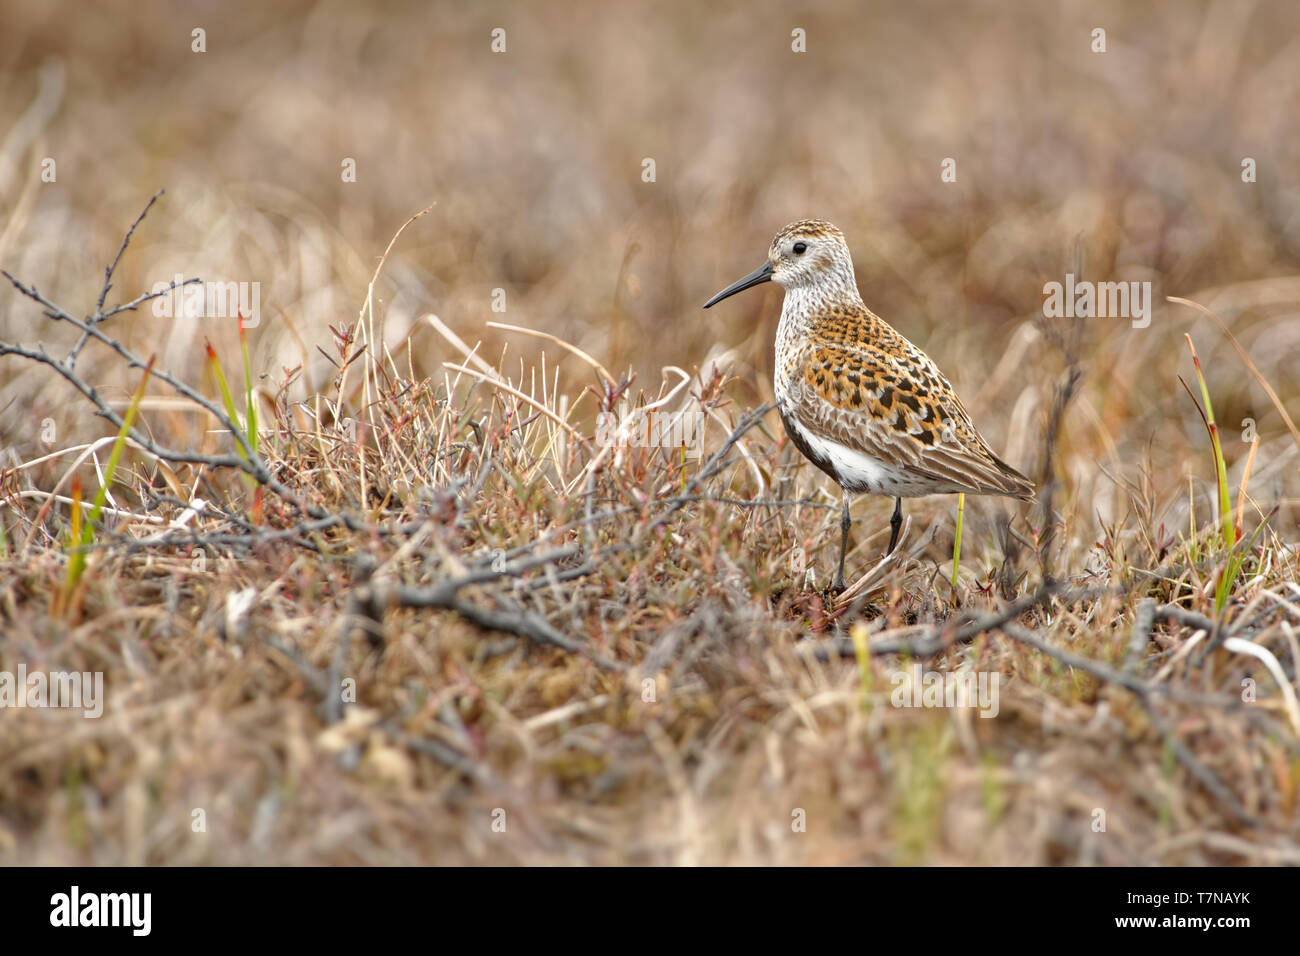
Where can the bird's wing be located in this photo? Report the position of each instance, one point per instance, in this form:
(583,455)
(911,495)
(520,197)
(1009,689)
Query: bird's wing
(897,407)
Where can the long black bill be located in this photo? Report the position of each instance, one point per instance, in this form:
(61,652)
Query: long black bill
(762,274)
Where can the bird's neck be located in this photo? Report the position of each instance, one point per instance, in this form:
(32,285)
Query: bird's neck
(803,304)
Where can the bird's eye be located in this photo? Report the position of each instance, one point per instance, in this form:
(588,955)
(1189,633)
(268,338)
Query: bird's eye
(800,248)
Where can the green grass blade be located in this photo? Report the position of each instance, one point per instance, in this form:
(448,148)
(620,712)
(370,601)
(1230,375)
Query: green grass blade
(226,398)
(956,542)
(1221,470)
(86,535)
(250,421)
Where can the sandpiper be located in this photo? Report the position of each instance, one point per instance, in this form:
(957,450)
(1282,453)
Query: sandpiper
(860,401)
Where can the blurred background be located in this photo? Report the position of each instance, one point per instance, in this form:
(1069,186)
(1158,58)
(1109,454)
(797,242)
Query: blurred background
(538,159)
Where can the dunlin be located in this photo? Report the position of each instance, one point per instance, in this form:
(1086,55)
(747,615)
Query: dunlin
(860,401)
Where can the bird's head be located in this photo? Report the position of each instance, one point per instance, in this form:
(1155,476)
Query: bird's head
(807,254)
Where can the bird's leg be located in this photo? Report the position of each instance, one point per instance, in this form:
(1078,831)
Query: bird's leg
(895,523)
(845,522)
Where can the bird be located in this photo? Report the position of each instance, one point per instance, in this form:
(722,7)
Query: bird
(859,400)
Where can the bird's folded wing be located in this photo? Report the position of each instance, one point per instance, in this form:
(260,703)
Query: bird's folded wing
(904,414)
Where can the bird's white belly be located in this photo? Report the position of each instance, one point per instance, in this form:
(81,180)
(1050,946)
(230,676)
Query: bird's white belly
(862,474)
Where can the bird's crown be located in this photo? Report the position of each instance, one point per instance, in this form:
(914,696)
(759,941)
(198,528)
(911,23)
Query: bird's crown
(807,229)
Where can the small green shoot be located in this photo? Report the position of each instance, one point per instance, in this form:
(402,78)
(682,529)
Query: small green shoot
(956,541)
(82,534)
(1229,527)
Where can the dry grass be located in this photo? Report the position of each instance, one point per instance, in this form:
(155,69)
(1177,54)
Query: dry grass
(462,453)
